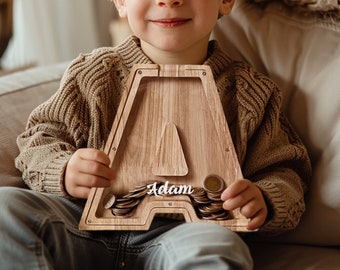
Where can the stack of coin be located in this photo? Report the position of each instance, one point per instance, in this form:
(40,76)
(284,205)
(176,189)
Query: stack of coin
(124,206)
(207,200)
(199,197)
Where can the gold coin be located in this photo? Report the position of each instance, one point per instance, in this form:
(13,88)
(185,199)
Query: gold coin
(213,184)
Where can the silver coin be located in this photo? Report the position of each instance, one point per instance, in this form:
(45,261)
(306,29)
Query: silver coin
(128,204)
(120,212)
(198,192)
(139,194)
(109,200)
(214,196)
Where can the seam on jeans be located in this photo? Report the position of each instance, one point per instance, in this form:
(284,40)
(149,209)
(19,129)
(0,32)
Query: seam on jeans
(98,236)
(93,236)
(140,248)
(151,242)
(167,249)
(121,252)
(38,251)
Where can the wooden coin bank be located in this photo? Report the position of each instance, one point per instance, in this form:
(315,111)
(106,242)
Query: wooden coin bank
(169,144)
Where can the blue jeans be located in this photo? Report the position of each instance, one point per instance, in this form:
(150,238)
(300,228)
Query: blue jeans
(40,231)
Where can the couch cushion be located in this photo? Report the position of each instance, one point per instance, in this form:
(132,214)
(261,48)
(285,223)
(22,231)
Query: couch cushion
(20,93)
(302,54)
(278,256)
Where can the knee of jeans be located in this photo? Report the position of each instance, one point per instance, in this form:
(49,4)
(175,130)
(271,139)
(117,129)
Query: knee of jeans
(199,230)
(13,203)
(208,240)
(216,237)
(209,236)
(8,195)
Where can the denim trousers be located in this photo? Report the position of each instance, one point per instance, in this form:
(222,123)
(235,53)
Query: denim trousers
(40,231)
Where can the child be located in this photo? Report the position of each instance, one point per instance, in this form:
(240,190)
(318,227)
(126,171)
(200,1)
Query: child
(60,155)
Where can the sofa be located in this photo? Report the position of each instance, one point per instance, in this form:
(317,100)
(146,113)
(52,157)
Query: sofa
(300,51)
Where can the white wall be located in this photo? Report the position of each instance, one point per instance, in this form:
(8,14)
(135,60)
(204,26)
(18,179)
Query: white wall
(50,31)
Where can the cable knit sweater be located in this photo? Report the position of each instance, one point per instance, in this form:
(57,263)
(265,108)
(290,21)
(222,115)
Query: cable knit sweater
(80,114)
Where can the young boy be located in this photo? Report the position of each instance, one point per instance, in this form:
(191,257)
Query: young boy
(60,155)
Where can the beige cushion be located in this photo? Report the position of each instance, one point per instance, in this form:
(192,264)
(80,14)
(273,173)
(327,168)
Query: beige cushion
(323,7)
(20,93)
(302,54)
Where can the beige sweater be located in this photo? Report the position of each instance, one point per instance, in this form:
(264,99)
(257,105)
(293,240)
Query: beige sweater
(81,112)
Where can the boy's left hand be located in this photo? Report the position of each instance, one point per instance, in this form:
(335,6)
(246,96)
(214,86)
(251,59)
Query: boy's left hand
(248,197)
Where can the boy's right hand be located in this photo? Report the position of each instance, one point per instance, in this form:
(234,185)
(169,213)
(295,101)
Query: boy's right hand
(87,168)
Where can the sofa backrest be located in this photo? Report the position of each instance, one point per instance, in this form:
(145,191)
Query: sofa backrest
(300,51)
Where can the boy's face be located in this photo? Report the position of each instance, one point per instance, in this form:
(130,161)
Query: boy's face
(173,26)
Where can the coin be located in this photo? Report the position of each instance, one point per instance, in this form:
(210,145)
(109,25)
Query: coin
(127,204)
(109,200)
(121,212)
(198,192)
(213,183)
(206,200)
(214,196)
(119,200)
(138,193)
(201,200)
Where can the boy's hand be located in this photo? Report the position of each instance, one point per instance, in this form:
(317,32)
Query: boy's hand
(248,197)
(87,168)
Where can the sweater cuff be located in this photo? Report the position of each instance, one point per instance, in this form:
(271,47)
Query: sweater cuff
(54,175)
(283,214)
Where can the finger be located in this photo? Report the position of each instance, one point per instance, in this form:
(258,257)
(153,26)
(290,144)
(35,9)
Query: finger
(80,192)
(239,200)
(234,189)
(82,184)
(94,155)
(257,221)
(89,180)
(96,169)
(251,208)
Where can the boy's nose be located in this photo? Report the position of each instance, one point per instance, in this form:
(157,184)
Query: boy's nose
(169,3)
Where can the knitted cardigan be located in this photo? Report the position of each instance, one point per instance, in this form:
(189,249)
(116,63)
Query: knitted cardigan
(80,114)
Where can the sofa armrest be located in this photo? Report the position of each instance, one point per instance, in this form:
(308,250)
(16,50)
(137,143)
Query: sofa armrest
(20,93)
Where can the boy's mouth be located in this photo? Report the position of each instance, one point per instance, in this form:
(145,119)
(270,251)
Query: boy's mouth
(171,22)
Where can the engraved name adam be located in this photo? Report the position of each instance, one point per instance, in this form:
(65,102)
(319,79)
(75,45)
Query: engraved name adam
(167,189)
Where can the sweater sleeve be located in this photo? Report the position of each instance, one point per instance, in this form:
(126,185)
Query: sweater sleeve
(78,115)
(54,131)
(278,164)
(270,152)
